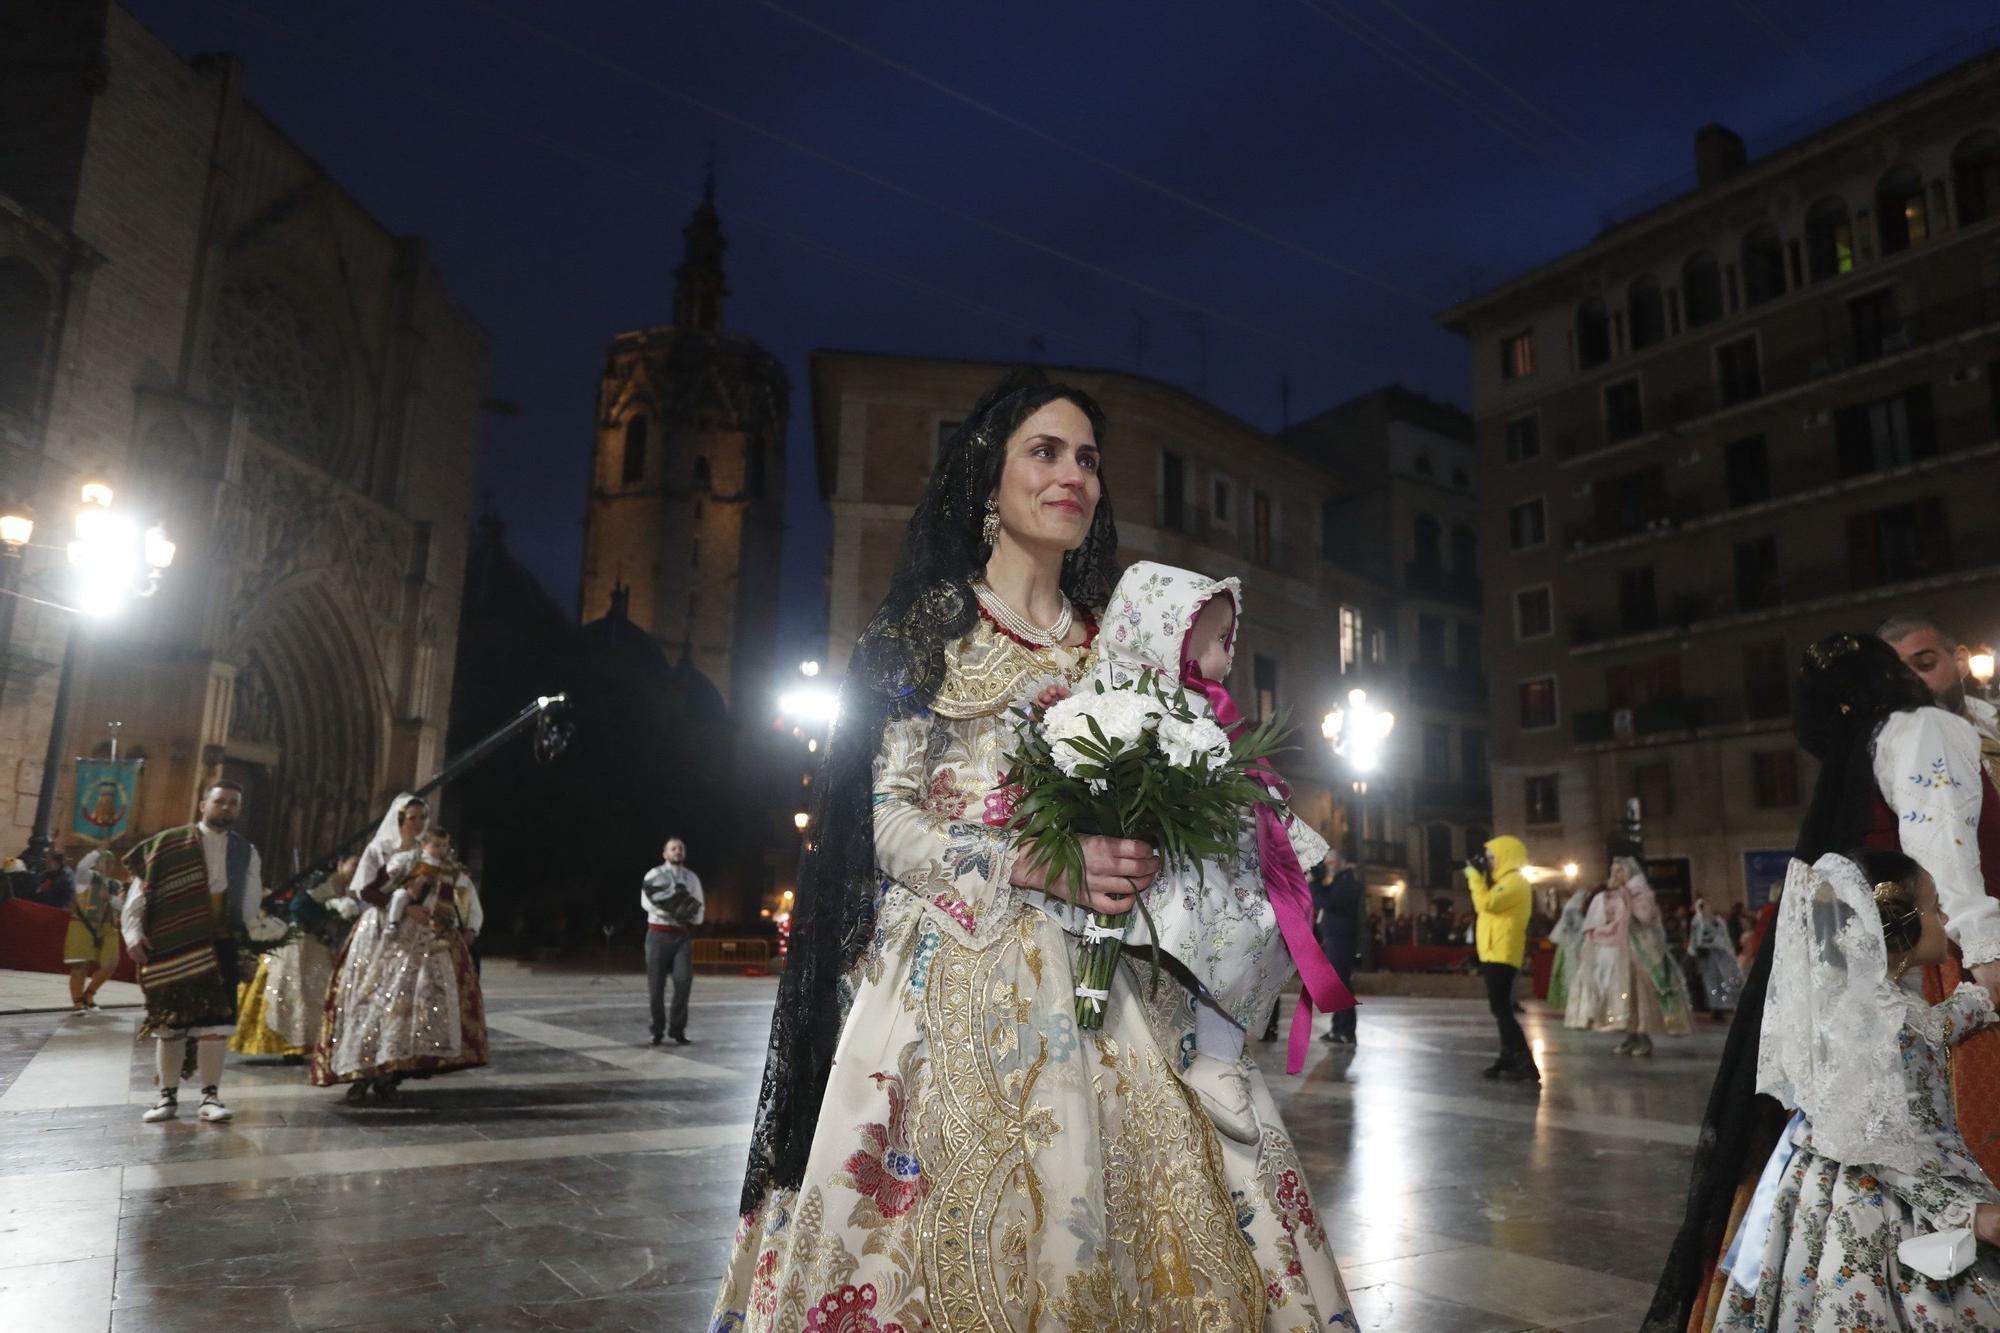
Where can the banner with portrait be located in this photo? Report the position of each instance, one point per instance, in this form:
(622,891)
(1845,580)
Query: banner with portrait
(107,792)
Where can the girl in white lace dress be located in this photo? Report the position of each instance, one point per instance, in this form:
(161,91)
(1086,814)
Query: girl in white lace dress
(1873,1156)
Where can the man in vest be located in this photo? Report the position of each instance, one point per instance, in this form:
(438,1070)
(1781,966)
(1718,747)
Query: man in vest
(191,887)
(671,895)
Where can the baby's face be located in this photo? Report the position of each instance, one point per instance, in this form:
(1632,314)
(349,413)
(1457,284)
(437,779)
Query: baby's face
(1933,945)
(1209,640)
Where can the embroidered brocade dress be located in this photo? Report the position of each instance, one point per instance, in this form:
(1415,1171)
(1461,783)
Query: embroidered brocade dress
(1830,1255)
(978,1162)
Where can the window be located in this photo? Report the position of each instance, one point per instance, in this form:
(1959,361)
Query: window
(1885,433)
(701,472)
(1829,239)
(1900,216)
(1173,491)
(1534,613)
(1627,503)
(1653,784)
(1767,679)
(1905,541)
(24,319)
(1975,175)
(1523,439)
(1645,312)
(1472,755)
(1538,703)
(1624,413)
(1430,544)
(1223,501)
(1464,554)
(1637,684)
(1437,857)
(1527,525)
(1260,527)
(1378,646)
(1638,604)
(1332,540)
(945,430)
(1437,751)
(633,466)
(1468,646)
(1593,335)
(1757,585)
(1763,265)
(1350,638)
(1774,777)
(1701,289)
(1738,377)
(1877,328)
(1747,468)
(1540,796)
(1517,355)
(1264,675)
(1430,640)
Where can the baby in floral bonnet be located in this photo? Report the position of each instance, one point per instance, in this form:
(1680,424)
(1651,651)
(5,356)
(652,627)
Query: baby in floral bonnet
(1216,923)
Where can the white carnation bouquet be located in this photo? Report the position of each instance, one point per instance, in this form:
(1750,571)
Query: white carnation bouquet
(1130,761)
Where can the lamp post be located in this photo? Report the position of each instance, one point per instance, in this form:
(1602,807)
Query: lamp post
(1980,667)
(112,561)
(1357,733)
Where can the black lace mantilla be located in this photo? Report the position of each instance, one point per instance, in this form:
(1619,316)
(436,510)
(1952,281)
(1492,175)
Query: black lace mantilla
(895,671)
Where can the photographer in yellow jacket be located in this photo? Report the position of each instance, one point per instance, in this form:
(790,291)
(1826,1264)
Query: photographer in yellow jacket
(1503,898)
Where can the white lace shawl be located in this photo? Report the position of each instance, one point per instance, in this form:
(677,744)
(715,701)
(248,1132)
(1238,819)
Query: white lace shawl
(1831,1040)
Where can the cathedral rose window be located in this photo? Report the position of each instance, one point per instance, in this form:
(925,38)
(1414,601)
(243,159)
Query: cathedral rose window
(268,359)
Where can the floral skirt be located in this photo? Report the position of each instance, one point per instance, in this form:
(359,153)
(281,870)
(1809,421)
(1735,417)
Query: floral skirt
(1830,1264)
(278,1010)
(980,1164)
(402,1001)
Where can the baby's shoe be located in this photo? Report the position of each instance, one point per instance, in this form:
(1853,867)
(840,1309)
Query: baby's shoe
(1224,1089)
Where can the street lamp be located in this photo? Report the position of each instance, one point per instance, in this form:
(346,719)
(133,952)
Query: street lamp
(112,561)
(1979,666)
(1571,870)
(1358,732)
(801,820)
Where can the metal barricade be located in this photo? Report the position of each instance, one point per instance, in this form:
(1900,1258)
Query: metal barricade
(729,954)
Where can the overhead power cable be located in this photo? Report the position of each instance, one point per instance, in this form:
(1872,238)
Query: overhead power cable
(1131,177)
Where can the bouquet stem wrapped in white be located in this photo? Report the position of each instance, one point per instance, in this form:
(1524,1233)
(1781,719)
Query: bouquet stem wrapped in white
(1131,761)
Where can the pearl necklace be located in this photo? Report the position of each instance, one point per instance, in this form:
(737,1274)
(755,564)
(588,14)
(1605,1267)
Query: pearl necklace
(1018,625)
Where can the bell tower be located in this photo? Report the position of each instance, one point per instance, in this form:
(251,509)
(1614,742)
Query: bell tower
(686,500)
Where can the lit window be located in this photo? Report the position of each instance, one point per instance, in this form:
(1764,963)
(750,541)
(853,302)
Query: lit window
(1517,355)
(1351,638)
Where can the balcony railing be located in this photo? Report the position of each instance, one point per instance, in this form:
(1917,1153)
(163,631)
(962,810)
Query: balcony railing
(1450,585)
(1660,717)
(1779,374)
(1790,476)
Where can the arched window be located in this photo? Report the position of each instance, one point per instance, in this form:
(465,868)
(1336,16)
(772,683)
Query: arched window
(701,471)
(1763,265)
(1645,311)
(1701,289)
(1464,552)
(1430,543)
(1975,177)
(634,464)
(1829,240)
(1593,334)
(24,325)
(1900,213)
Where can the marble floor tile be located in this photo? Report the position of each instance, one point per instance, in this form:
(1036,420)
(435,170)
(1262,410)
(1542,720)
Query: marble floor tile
(71,1296)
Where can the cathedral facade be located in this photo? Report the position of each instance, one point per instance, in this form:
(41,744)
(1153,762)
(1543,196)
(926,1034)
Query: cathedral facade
(685,523)
(194,312)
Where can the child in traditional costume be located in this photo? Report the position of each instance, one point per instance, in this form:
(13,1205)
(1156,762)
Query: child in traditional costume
(1236,928)
(280,1007)
(1869,1211)
(90,946)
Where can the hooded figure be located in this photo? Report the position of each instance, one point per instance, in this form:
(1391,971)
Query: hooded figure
(1235,928)
(1504,899)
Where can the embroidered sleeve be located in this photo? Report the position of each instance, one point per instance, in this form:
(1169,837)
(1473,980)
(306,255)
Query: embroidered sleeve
(1964,1011)
(1927,763)
(1307,844)
(932,839)
(1939,1199)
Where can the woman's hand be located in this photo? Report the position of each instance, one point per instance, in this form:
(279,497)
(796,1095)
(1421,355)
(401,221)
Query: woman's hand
(1115,872)
(1052,695)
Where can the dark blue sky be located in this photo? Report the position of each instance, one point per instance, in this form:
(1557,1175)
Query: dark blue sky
(552,154)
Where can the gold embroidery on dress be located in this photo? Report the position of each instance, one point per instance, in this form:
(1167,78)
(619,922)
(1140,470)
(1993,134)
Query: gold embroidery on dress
(987,671)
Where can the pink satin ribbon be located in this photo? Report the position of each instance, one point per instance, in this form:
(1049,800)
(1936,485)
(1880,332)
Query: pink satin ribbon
(1291,897)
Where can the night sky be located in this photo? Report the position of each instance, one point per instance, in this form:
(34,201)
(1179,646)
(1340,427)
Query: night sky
(1397,155)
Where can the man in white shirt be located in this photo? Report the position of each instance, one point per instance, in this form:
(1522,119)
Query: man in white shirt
(671,897)
(1945,665)
(191,887)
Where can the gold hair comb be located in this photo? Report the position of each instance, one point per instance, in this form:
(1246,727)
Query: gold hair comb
(1830,649)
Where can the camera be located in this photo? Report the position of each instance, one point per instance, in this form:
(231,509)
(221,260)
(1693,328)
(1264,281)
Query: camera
(1480,861)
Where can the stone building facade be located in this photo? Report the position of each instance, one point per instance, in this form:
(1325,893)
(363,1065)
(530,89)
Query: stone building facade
(1753,414)
(195,312)
(685,524)
(1192,486)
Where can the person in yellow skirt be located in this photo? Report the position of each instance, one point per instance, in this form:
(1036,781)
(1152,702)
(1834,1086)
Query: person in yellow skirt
(278,1009)
(90,946)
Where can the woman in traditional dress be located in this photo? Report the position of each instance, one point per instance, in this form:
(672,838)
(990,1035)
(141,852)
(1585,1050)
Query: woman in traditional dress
(418,1008)
(90,946)
(1567,939)
(398,833)
(1714,960)
(937,1145)
(279,1009)
(1652,974)
(1596,976)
